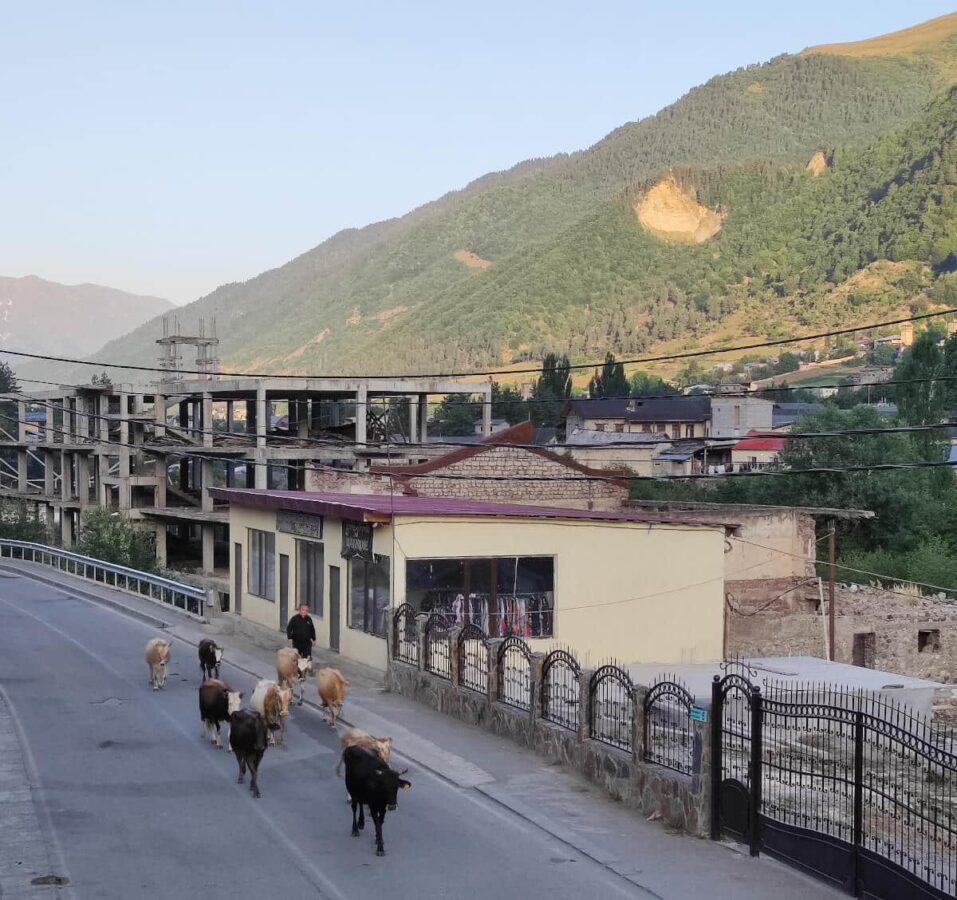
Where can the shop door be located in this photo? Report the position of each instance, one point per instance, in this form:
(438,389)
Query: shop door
(238,579)
(283,591)
(334,605)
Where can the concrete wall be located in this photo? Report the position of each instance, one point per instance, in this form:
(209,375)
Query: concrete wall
(613,456)
(736,416)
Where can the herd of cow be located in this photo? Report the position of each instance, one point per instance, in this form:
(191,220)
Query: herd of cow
(370,780)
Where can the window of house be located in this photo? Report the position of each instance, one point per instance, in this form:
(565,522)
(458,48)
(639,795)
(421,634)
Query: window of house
(310,558)
(369,598)
(503,595)
(620,428)
(928,641)
(676,432)
(646,427)
(262,564)
(600,426)
(689,431)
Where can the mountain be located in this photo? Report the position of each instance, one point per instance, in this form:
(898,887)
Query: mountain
(39,316)
(747,203)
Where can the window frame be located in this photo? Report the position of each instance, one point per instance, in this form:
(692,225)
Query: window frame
(314,572)
(369,605)
(261,565)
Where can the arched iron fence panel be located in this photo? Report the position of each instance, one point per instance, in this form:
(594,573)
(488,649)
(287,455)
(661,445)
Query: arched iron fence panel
(405,644)
(514,671)
(612,709)
(561,689)
(472,656)
(438,659)
(669,731)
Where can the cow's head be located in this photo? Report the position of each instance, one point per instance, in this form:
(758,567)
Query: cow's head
(285,698)
(234,701)
(383,748)
(164,650)
(305,666)
(218,654)
(393,782)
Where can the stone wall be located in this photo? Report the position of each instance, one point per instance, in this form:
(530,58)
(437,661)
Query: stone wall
(912,635)
(679,801)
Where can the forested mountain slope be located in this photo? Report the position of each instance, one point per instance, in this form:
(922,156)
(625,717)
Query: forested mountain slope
(558,253)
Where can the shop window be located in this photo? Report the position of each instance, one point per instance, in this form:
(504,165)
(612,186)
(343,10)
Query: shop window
(310,564)
(369,598)
(928,641)
(502,595)
(865,649)
(262,564)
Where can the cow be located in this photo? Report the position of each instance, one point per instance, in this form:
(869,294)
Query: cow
(217,703)
(247,737)
(157,658)
(332,691)
(210,656)
(272,703)
(355,737)
(292,669)
(372,783)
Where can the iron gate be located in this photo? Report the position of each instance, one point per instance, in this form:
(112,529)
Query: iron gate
(848,787)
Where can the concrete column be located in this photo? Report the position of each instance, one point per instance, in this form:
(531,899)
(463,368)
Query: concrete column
(206,482)
(229,416)
(362,409)
(49,433)
(207,419)
(66,475)
(413,419)
(159,415)
(81,421)
(66,527)
(125,500)
(49,474)
(487,410)
(21,423)
(22,485)
(83,479)
(161,545)
(50,516)
(262,417)
(423,418)
(261,475)
(208,539)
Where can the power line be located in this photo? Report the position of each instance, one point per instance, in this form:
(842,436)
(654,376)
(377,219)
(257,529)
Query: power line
(689,354)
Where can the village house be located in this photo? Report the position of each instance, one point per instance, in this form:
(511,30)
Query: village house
(680,417)
(738,416)
(635,585)
(756,451)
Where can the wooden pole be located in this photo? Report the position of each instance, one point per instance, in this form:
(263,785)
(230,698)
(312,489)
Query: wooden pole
(830,590)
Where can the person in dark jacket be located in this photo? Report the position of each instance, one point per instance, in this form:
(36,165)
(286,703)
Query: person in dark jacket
(301,632)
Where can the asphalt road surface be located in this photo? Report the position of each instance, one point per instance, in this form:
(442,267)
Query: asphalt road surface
(142,806)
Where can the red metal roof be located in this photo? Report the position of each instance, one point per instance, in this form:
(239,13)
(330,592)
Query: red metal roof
(775,444)
(363,506)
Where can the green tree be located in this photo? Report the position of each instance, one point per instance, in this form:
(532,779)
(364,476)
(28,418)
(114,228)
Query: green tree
(8,379)
(457,414)
(16,524)
(111,537)
(552,390)
(645,385)
(610,381)
(507,403)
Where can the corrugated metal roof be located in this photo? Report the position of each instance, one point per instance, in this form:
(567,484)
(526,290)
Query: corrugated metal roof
(683,408)
(360,506)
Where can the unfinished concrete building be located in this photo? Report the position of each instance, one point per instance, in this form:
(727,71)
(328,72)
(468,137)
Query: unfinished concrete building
(152,452)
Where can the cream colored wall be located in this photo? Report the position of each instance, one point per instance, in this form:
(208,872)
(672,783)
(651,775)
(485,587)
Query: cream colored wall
(355,644)
(622,590)
(611,456)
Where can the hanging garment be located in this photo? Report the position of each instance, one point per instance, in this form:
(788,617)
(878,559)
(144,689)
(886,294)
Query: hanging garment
(458,608)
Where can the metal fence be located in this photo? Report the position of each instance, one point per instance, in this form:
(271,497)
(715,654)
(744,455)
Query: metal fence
(514,667)
(186,598)
(668,728)
(472,658)
(438,660)
(405,642)
(561,689)
(851,787)
(612,707)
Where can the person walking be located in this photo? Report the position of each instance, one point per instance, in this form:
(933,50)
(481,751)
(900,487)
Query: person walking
(301,632)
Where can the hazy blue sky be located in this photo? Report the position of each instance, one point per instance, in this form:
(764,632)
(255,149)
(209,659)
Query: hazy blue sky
(168,147)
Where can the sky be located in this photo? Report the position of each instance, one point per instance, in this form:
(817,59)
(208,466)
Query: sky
(169,147)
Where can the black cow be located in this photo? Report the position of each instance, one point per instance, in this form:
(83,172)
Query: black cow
(372,783)
(247,737)
(210,656)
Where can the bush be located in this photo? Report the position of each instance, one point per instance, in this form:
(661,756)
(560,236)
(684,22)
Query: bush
(16,524)
(110,537)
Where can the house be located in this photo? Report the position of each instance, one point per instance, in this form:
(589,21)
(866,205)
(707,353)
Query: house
(636,585)
(505,467)
(784,415)
(755,452)
(682,416)
(738,416)
(614,450)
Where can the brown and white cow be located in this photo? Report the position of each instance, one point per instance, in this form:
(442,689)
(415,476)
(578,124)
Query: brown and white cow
(332,691)
(292,669)
(272,703)
(217,703)
(355,737)
(157,658)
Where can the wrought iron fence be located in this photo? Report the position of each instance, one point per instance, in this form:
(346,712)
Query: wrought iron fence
(405,644)
(186,598)
(514,668)
(850,786)
(668,729)
(561,689)
(438,660)
(612,709)
(472,657)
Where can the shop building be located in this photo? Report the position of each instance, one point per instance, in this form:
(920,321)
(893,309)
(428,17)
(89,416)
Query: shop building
(632,585)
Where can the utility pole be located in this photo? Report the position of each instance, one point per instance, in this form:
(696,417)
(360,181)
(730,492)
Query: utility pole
(830,589)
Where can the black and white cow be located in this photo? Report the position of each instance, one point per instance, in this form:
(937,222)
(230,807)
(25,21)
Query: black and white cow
(370,782)
(210,656)
(217,703)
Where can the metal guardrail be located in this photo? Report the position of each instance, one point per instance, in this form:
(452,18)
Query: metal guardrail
(185,598)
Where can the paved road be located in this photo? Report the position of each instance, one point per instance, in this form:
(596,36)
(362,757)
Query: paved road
(142,807)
